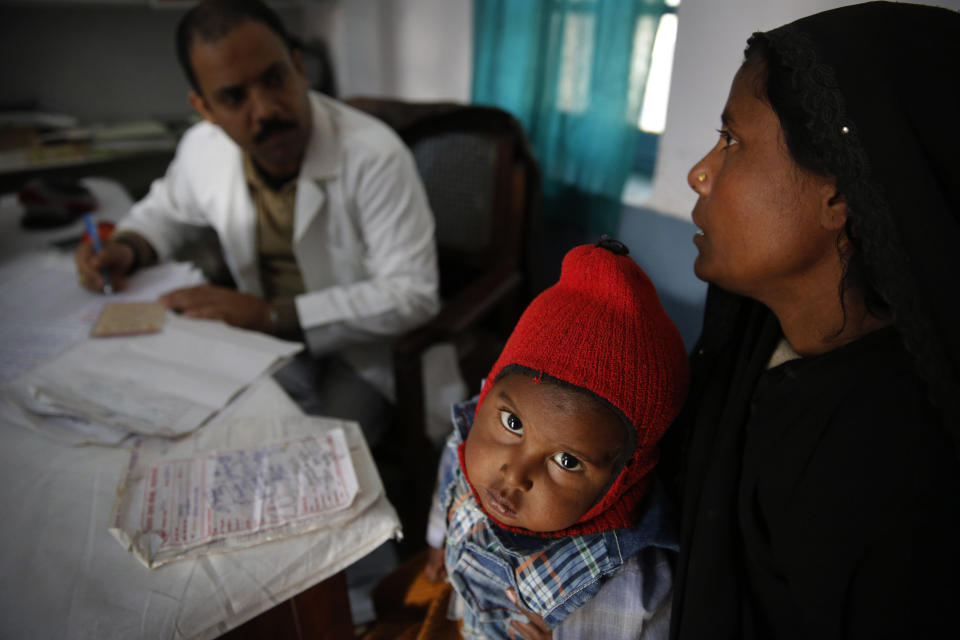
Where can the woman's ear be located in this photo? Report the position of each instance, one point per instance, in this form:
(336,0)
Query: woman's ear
(833,215)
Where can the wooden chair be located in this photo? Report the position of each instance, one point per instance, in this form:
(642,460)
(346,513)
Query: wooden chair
(483,185)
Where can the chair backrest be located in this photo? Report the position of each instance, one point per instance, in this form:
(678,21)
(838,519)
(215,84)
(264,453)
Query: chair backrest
(481,180)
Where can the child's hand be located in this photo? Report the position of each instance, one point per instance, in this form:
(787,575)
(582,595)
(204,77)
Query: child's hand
(435,569)
(535,629)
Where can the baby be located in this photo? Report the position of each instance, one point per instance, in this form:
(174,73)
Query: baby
(547,518)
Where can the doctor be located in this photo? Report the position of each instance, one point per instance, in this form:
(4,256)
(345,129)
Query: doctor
(321,214)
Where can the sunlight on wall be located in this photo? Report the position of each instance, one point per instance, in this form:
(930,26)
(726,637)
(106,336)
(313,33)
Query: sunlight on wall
(653,116)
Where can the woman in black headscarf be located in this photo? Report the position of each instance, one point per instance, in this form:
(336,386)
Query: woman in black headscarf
(819,476)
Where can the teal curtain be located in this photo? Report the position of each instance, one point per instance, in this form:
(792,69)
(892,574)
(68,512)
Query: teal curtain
(572,72)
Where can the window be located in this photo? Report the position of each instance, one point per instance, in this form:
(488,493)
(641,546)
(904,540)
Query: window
(650,86)
(653,114)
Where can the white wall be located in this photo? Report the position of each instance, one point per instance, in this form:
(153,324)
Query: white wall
(710,42)
(408,49)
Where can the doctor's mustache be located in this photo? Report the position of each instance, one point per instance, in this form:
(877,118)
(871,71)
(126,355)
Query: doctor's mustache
(272,126)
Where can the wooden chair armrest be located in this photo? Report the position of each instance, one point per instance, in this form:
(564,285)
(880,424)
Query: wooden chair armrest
(459,313)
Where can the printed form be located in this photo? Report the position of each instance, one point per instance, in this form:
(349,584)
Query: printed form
(244,482)
(222,494)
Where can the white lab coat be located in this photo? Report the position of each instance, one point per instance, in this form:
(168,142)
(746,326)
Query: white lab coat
(363,230)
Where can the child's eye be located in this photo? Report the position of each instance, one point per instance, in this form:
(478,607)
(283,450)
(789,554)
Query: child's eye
(511,422)
(727,138)
(567,461)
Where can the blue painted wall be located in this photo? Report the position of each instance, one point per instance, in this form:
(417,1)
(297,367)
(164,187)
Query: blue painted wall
(663,247)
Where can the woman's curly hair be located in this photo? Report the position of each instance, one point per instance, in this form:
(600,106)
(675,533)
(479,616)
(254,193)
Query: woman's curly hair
(794,96)
(823,139)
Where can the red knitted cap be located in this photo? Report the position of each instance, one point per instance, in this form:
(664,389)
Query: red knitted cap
(602,328)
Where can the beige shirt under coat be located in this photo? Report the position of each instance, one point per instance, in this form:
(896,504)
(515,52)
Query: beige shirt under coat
(279,273)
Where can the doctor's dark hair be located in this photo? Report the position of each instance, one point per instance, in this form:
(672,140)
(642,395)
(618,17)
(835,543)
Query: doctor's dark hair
(792,97)
(212,20)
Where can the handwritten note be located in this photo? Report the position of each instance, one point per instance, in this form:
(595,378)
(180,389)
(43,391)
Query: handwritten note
(222,494)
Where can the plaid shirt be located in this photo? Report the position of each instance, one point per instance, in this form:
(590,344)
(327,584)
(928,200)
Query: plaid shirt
(613,584)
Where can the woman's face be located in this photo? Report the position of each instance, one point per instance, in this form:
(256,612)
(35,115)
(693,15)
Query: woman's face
(767,226)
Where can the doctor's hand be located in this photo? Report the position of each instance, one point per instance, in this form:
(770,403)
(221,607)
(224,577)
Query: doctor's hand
(116,258)
(535,629)
(218,303)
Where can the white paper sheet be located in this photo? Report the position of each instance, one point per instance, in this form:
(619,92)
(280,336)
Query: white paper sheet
(164,384)
(67,577)
(45,311)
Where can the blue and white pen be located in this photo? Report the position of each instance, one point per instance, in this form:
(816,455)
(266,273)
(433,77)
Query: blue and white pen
(95,238)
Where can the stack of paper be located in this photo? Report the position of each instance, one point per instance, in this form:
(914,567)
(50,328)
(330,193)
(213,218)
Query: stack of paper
(163,384)
(244,482)
(45,311)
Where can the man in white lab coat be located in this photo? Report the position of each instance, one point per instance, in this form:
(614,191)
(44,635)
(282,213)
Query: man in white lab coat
(321,214)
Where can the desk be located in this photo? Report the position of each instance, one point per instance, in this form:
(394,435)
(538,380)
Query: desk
(65,576)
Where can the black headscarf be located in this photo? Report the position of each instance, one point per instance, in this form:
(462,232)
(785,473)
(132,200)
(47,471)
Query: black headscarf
(881,87)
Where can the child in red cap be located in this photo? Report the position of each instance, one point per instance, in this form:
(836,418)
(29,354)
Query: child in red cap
(547,515)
